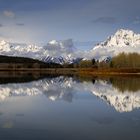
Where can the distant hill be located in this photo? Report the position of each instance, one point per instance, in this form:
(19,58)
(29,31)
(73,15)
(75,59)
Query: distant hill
(22,62)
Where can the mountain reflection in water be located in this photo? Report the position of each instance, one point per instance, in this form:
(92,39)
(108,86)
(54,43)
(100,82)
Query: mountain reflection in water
(122,93)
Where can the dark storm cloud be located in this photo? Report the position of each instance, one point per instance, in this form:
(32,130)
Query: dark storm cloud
(107,20)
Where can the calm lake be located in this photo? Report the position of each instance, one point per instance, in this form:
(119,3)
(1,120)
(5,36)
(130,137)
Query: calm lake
(70,108)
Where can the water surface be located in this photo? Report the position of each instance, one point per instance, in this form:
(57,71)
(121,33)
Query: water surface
(71,108)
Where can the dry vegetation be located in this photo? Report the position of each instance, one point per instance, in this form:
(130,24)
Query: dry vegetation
(121,64)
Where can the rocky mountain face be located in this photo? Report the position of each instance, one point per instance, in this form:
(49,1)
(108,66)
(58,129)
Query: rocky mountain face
(122,41)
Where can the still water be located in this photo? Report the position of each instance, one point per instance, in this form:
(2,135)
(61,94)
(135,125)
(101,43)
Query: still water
(70,108)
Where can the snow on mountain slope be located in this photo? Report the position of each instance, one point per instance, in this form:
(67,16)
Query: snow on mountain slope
(122,38)
(55,51)
(64,51)
(122,41)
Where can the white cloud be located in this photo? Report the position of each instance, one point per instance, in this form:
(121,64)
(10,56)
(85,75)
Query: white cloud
(9,14)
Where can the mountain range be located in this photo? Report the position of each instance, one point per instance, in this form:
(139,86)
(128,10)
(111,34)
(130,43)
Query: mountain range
(65,52)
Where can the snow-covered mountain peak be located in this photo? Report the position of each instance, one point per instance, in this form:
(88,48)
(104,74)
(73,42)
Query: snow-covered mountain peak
(5,46)
(64,51)
(55,51)
(126,38)
(123,32)
(33,48)
(3,42)
(122,38)
(122,41)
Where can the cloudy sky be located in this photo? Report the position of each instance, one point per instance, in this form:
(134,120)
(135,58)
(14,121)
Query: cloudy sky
(39,21)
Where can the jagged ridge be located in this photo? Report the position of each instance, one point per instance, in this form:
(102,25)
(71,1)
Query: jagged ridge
(122,41)
(64,51)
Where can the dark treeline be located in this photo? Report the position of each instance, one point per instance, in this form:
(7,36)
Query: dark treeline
(10,62)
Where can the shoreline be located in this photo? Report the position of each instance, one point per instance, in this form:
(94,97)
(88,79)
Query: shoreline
(75,71)
(27,75)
